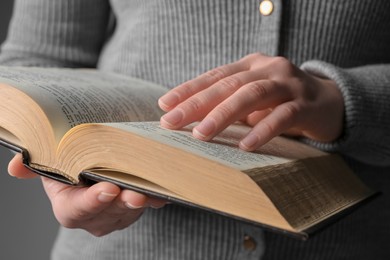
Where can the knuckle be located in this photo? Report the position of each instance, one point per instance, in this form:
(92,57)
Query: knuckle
(255,55)
(79,214)
(216,74)
(225,111)
(230,84)
(258,89)
(291,110)
(186,89)
(71,218)
(251,60)
(98,232)
(117,214)
(193,104)
(283,64)
(122,224)
(268,128)
(281,61)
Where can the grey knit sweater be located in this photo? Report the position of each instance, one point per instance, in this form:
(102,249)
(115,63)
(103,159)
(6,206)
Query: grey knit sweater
(170,41)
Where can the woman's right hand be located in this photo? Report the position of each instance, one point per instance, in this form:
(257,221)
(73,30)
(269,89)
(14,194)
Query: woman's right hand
(99,209)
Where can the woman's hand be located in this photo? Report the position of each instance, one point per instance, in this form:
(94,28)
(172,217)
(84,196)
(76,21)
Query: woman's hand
(99,209)
(268,93)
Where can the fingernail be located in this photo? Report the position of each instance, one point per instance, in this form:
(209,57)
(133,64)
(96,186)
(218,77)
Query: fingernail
(173,118)
(156,207)
(249,142)
(131,206)
(204,129)
(106,197)
(168,101)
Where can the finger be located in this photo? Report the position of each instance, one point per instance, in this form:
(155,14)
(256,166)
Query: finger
(156,203)
(129,199)
(17,169)
(127,207)
(199,105)
(73,205)
(282,118)
(258,95)
(294,132)
(179,94)
(107,222)
(253,118)
(128,203)
(93,199)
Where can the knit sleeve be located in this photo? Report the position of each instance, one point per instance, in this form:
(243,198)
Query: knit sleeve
(366,92)
(61,33)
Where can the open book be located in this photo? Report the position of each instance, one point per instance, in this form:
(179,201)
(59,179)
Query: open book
(84,125)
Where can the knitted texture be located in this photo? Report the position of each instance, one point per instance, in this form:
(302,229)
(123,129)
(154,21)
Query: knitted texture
(170,41)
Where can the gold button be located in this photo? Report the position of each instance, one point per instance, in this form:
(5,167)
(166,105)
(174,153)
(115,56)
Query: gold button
(249,243)
(266,7)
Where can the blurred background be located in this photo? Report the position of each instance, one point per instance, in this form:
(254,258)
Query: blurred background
(27,225)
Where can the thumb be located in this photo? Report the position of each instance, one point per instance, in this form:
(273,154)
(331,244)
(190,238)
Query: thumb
(17,169)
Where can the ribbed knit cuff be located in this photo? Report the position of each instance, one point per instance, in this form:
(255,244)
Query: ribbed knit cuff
(327,70)
(366,101)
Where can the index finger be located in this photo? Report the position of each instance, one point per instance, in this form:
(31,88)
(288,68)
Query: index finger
(179,94)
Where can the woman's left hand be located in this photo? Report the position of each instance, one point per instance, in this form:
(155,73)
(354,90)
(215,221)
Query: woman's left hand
(269,93)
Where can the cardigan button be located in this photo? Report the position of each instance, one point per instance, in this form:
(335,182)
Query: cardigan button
(266,7)
(249,243)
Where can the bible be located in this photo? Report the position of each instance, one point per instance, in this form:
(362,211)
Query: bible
(82,126)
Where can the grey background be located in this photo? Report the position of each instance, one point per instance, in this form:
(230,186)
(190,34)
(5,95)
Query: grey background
(27,224)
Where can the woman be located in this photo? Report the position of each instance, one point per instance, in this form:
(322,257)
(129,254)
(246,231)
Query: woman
(331,89)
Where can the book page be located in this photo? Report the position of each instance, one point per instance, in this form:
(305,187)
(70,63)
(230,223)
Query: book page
(73,96)
(223,149)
